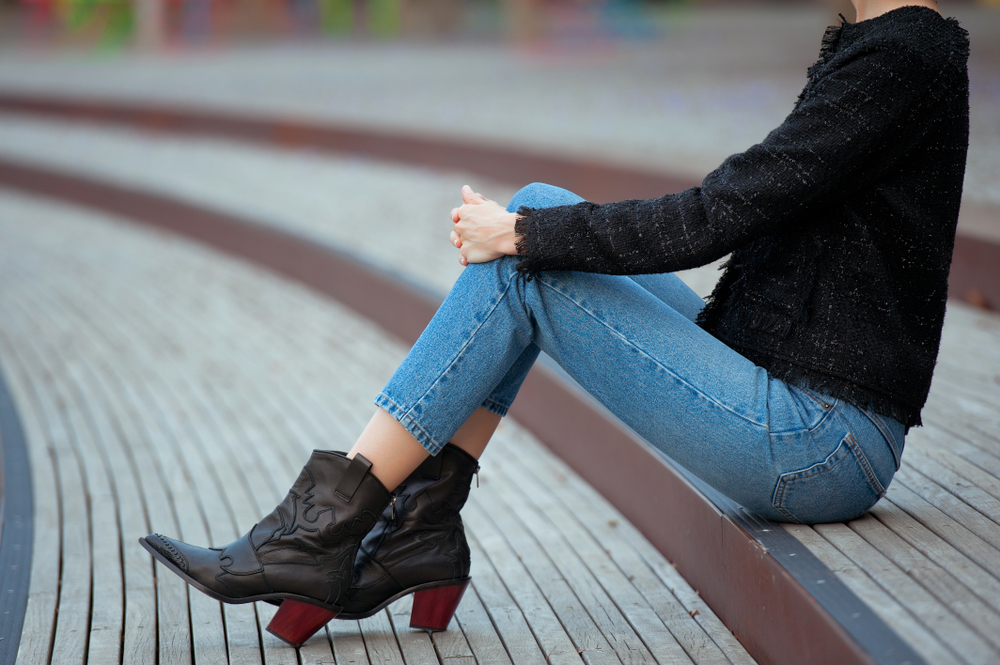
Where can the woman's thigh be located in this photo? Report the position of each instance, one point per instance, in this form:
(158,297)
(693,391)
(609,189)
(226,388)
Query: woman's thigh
(677,386)
(780,451)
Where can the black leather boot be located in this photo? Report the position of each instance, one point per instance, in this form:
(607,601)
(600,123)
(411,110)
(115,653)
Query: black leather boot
(303,551)
(418,546)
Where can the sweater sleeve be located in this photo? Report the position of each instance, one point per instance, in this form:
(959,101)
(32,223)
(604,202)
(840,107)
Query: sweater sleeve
(848,127)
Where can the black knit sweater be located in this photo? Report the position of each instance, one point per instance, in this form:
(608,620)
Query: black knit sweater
(841,223)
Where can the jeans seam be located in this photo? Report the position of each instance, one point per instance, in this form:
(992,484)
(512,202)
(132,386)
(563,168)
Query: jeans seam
(826,416)
(827,407)
(629,342)
(779,496)
(889,438)
(865,465)
(403,413)
(505,407)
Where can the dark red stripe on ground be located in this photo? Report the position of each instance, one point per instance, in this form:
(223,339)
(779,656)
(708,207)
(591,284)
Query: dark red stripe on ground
(770,612)
(591,179)
(975,275)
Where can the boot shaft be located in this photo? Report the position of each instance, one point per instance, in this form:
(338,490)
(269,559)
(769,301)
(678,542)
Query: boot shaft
(421,537)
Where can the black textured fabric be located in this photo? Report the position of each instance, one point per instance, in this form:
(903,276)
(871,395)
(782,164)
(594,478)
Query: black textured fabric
(840,224)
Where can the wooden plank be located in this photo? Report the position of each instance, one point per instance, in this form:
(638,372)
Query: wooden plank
(242,633)
(955,497)
(568,555)
(73,612)
(234,447)
(943,623)
(107,594)
(279,652)
(596,556)
(944,450)
(43,587)
(483,636)
(976,613)
(173,627)
(666,591)
(216,610)
(318,650)
(139,629)
(205,618)
(972,426)
(416,645)
(954,535)
(510,639)
(70,305)
(208,635)
(486,508)
(895,614)
(141,613)
(380,640)
(979,388)
(348,644)
(496,561)
(581,505)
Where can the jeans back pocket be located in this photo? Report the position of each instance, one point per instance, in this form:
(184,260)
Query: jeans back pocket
(841,487)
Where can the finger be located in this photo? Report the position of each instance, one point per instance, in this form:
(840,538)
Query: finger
(454,215)
(471,197)
(456,240)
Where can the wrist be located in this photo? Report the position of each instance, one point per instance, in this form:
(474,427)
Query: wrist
(509,244)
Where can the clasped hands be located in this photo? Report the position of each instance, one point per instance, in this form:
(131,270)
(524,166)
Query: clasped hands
(483,230)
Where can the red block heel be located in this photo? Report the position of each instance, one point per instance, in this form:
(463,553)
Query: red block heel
(433,608)
(296,622)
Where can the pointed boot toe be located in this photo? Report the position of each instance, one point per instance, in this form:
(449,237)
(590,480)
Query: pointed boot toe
(198,566)
(303,551)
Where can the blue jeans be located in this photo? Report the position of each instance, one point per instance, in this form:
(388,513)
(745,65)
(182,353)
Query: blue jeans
(784,452)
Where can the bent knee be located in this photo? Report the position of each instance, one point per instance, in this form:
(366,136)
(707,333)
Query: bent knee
(541,195)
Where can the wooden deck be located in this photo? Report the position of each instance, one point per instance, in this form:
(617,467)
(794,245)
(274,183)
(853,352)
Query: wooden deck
(162,386)
(176,368)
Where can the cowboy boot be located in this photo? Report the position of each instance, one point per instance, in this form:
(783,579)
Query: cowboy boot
(418,546)
(303,551)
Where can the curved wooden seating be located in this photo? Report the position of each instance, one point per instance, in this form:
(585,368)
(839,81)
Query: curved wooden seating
(789,599)
(162,386)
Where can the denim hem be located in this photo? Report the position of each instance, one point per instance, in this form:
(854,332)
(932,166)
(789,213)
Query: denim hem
(495,407)
(409,424)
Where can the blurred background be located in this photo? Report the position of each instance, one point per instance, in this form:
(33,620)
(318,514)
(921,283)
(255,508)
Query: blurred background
(667,87)
(115,24)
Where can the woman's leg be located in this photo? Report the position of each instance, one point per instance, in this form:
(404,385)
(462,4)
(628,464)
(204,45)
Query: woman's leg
(632,343)
(391,449)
